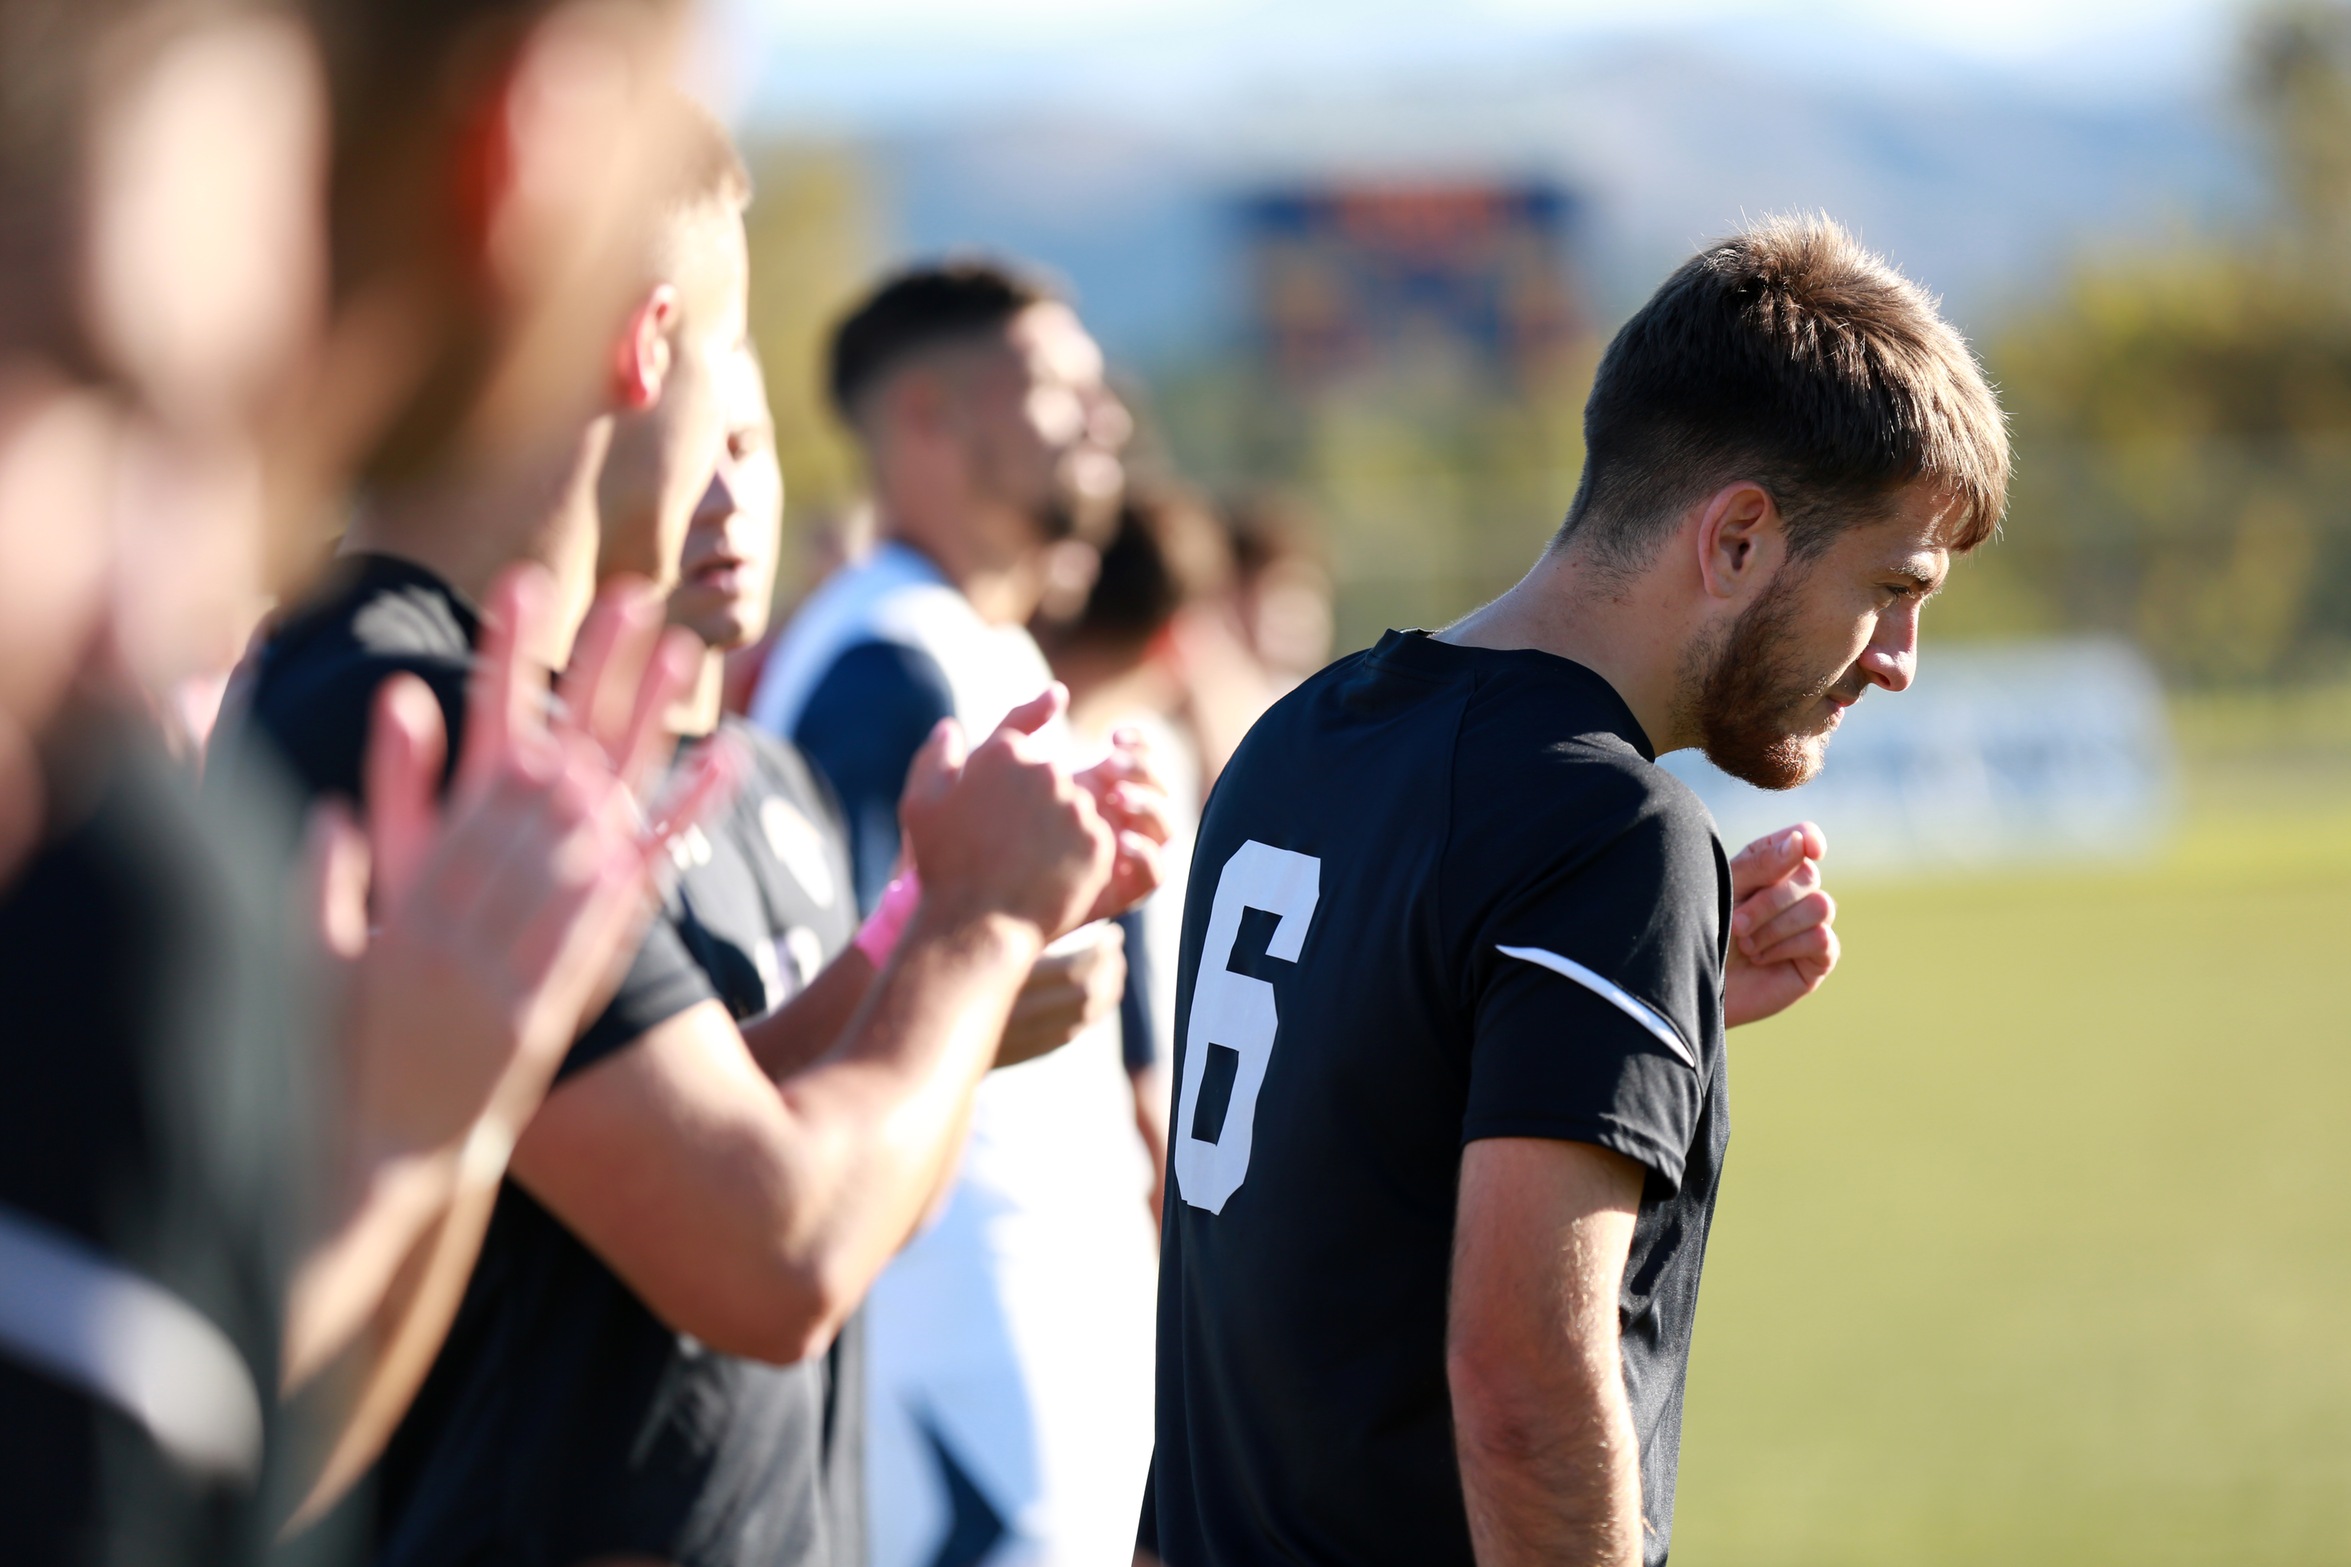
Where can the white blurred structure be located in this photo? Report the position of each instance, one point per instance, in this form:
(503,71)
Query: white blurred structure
(1996,755)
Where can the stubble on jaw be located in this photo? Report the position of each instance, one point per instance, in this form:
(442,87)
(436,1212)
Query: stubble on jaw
(1752,701)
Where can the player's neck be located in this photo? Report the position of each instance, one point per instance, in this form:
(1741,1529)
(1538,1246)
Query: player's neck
(1108,689)
(698,712)
(1004,592)
(1620,628)
(468,528)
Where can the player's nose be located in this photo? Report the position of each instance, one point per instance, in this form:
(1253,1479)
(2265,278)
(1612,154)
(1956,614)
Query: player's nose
(718,501)
(1891,659)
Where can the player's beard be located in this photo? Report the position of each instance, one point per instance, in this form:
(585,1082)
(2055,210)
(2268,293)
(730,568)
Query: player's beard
(1756,704)
(1063,511)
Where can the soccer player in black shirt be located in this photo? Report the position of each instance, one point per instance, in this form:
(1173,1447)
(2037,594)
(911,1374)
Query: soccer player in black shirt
(1458,956)
(194,1212)
(703,1181)
(765,902)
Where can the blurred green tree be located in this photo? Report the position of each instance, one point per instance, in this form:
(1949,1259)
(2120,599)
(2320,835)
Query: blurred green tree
(1433,494)
(2183,415)
(814,247)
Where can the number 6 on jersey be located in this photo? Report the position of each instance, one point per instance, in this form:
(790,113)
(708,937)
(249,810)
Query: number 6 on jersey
(1233,1019)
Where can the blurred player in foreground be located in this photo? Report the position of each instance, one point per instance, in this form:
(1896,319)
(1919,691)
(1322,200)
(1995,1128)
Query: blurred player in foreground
(1458,957)
(232,1166)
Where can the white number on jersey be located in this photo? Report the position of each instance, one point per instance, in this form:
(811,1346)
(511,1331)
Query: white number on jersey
(1233,1016)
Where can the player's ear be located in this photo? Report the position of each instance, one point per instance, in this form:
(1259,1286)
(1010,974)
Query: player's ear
(1740,539)
(642,355)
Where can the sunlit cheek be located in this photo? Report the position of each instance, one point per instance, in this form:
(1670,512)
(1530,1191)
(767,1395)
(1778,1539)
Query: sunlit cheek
(1057,414)
(756,533)
(206,229)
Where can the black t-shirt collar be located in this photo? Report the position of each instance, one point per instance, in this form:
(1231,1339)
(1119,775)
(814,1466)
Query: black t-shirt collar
(1422,653)
(367,572)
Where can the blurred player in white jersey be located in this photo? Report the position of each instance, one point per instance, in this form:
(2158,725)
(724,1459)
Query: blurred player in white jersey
(1010,1345)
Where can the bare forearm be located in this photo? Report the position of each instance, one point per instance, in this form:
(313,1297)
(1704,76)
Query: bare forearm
(1550,1467)
(794,1036)
(339,1283)
(376,1377)
(754,1214)
(882,1115)
(1550,1477)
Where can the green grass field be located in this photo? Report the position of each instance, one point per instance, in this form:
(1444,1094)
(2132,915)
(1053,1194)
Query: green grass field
(2035,1243)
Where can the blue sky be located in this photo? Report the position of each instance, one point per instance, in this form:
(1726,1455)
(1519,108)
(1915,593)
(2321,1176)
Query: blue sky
(863,65)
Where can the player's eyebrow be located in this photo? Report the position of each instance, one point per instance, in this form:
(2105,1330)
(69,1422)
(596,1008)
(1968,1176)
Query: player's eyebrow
(1924,581)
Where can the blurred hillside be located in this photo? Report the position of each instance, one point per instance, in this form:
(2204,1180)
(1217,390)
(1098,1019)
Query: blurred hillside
(1981,184)
(2159,278)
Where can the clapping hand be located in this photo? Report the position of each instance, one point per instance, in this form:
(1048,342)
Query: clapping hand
(1133,802)
(475,934)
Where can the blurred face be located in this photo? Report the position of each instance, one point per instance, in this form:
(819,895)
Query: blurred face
(1045,429)
(662,458)
(726,574)
(1290,617)
(205,247)
(1823,631)
(197,281)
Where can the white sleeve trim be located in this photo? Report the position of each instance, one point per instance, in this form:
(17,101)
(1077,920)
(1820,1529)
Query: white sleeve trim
(96,1326)
(1609,991)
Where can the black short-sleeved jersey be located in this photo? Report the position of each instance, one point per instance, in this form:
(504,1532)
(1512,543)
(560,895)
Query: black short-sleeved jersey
(311,696)
(563,1420)
(1440,894)
(153,1143)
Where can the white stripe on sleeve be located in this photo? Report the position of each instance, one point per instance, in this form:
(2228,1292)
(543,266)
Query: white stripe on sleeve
(1609,991)
(93,1324)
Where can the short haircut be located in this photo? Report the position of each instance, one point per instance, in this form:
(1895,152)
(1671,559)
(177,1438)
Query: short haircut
(917,311)
(1165,551)
(1790,356)
(413,178)
(402,77)
(1268,528)
(701,172)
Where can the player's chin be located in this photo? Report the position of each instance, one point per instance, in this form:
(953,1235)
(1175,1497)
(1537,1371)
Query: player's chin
(717,619)
(1772,760)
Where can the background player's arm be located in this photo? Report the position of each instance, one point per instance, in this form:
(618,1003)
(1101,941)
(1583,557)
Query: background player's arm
(1065,994)
(1550,1467)
(861,729)
(754,1215)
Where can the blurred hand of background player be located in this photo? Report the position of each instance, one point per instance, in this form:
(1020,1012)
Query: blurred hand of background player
(1002,830)
(1133,800)
(1783,933)
(1071,991)
(1066,994)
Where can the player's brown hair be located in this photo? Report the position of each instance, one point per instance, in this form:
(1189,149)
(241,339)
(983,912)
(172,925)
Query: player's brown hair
(1165,551)
(701,171)
(1790,356)
(916,311)
(418,163)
